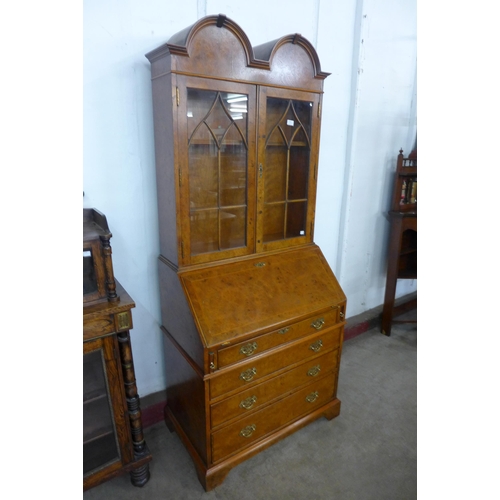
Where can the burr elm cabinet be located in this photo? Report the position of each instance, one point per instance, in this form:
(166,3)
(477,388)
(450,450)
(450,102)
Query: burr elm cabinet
(113,442)
(252,315)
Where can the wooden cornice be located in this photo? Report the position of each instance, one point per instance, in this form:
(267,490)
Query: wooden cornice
(260,56)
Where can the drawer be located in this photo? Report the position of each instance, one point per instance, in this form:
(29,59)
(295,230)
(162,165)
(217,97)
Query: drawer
(99,326)
(244,350)
(255,369)
(251,399)
(261,423)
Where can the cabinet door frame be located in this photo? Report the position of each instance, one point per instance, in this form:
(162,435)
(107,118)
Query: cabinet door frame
(315,99)
(116,394)
(183,83)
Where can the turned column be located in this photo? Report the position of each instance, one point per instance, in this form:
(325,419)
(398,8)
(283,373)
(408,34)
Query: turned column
(139,476)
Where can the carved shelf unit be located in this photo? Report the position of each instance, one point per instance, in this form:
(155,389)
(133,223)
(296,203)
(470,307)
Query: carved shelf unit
(113,441)
(252,315)
(402,255)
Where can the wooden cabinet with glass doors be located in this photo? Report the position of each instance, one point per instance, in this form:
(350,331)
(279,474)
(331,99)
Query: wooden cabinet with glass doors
(113,440)
(252,315)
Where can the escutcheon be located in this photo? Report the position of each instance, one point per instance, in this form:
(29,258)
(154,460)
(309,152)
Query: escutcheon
(248,431)
(248,375)
(247,403)
(316,346)
(249,349)
(310,398)
(318,324)
(314,371)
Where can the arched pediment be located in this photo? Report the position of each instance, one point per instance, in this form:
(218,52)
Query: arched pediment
(216,45)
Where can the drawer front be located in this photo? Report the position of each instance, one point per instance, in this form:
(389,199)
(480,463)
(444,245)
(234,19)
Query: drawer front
(259,424)
(255,369)
(98,326)
(251,399)
(245,350)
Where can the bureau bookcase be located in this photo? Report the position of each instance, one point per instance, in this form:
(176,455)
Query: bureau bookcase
(252,315)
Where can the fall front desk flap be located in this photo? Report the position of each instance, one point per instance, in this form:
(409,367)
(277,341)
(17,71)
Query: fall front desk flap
(264,292)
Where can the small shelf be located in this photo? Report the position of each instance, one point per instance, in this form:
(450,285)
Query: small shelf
(101,435)
(97,419)
(89,398)
(99,453)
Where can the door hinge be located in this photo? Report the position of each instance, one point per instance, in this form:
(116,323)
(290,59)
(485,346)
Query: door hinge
(177,96)
(319,109)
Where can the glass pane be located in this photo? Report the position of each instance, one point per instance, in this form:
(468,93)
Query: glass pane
(296,219)
(89,278)
(274,222)
(203,171)
(299,173)
(199,103)
(288,146)
(218,120)
(99,436)
(276,109)
(238,110)
(233,229)
(303,111)
(233,169)
(204,231)
(218,149)
(275,176)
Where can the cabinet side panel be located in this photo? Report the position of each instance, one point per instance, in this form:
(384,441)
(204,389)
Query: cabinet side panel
(163,102)
(185,397)
(176,314)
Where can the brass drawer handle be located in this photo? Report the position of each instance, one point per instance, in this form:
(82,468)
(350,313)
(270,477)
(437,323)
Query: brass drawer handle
(249,349)
(314,371)
(312,397)
(247,403)
(318,324)
(248,375)
(341,315)
(284,330)
(316,346)
(248,431)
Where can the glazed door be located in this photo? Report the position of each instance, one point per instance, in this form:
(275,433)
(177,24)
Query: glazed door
(216,133)
(104,422)
(287,165)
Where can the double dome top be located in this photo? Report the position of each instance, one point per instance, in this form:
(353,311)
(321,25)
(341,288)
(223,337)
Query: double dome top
(216,45)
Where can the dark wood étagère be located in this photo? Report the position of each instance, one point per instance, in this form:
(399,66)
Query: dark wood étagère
(252,315)
(113,441)
(402,255)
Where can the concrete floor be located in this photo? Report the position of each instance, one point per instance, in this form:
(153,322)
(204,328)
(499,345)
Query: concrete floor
(368,452)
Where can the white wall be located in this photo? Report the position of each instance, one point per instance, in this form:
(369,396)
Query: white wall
(368,114)
(382,120)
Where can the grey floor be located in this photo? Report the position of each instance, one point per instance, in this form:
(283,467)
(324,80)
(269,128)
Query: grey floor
(368,452)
